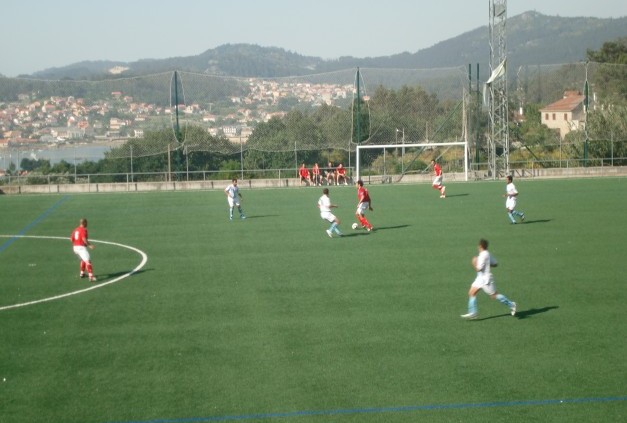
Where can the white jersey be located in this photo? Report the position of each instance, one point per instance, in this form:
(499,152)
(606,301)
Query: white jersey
(232,195)
(484,262)
(232,190)
(511,192)
(324,203)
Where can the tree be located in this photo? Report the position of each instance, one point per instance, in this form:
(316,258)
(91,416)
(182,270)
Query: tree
(611,76)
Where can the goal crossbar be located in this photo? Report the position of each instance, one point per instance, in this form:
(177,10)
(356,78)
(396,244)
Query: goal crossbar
(424,144)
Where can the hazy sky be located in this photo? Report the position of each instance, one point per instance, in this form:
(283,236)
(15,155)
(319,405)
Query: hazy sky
(39,34)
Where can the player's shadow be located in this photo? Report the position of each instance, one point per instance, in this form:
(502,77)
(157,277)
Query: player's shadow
(384,228)
(527,222)
(261,216)
(105,277)
(522,314)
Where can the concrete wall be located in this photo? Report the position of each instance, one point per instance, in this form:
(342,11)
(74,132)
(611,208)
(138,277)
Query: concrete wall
(576,172)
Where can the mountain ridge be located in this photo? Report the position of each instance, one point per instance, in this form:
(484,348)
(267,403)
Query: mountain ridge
(532,38)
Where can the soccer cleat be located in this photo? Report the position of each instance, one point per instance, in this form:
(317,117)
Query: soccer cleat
(369,229)
(242,217)
(82,275)
(513,309)
(469,316)
(522,218)
(329,233)
(92,279)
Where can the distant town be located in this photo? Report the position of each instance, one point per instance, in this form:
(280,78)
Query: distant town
(55,121)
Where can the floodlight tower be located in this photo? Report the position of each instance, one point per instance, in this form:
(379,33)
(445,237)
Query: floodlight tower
(498,145)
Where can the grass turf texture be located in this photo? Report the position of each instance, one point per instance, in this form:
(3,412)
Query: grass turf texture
(268,315)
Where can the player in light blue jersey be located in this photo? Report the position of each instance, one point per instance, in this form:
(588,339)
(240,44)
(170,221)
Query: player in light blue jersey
(233,196)
(484,281)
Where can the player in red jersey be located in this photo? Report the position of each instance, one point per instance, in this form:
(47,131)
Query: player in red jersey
(340,171)
(315,171)
(80,242)
(437,180)
(363,203)
(303,172)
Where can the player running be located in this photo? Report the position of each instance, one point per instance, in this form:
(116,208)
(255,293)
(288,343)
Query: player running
(233,196)
(437,180)
(510,204)
(80,243)
(363,203)
(484,281)
(325,206)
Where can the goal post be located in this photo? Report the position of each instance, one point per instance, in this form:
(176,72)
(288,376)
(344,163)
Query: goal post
(406,145)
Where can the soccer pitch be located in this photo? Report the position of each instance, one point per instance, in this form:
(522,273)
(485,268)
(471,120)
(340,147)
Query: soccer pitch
(268,320)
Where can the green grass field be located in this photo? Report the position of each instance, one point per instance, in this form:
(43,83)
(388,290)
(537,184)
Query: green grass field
(269,320)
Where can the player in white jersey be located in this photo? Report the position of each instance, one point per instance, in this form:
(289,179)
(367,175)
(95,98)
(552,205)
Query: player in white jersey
(325,206)
(485,282)
(233,196)
(510,203)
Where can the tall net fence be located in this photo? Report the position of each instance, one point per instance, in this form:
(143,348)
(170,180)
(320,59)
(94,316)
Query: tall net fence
(210,122)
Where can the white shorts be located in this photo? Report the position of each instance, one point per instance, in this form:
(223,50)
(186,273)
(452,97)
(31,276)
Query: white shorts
(362,207)
(510,203)
(233,201)
(328,216)
(486,286)
(437,181)
(82,252)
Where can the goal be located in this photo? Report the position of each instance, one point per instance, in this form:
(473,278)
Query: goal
(423,146)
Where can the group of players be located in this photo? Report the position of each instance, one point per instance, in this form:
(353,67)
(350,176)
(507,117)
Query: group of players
(482,263)
(329,175)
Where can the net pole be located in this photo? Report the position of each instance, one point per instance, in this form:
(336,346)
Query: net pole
(357,162)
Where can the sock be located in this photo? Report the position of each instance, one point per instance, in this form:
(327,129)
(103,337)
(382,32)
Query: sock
(504,300)
(511,216)
(517,213)
(83,266)
(333,227)
(366,223)
(231,212)
(472,305)
(90,270)
(362,220)
(241,213)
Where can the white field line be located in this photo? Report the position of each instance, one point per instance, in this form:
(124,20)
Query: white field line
(99,285)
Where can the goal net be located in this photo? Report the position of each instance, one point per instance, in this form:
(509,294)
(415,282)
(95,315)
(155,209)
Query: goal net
(393,162)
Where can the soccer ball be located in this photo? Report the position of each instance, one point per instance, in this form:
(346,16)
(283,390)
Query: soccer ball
(355,226)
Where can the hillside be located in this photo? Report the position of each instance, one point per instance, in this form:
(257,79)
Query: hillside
(532,38)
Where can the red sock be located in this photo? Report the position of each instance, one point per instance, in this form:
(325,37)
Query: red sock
(83,266)
(89,268)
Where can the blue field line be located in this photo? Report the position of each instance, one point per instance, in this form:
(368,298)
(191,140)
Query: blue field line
(33,223)
(382,410)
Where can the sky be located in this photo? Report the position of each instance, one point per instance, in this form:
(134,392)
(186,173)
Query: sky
(40,34)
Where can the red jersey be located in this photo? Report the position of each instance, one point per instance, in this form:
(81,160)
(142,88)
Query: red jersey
(341,170)
(362,195)
(437,169)
(79,236)
(304,172)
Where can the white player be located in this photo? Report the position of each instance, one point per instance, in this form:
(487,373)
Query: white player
(484,281)
(325,206)
(510,204)
(233,196)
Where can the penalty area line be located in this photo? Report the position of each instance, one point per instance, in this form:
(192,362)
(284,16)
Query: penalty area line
(80,291)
